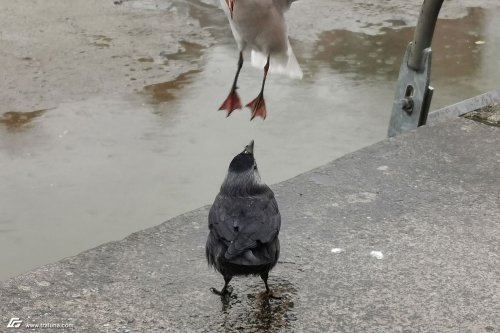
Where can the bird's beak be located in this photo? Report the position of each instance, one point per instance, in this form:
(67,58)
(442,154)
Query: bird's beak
(230,5)
(249,148)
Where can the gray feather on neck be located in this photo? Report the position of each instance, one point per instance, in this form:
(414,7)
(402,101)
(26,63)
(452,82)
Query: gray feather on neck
(245,183)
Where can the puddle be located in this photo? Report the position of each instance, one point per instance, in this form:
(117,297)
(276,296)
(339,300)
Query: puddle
(166,91)
(116,164)
(256,312)
(144,4)
(147,59)
(17,120)
(455,52)
(210,17)
(188,51)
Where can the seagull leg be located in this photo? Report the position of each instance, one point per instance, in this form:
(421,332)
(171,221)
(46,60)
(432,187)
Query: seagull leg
(258,105)
(230,5)
(232,101)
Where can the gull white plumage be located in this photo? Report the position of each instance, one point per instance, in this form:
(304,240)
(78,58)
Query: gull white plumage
(259,25)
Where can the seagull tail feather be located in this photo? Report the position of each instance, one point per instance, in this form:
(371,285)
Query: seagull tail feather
(285,63)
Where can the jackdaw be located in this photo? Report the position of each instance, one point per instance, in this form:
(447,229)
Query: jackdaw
(244,223)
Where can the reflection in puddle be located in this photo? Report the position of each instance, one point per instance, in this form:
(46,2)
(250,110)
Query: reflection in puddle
(165,91)
(454,50)
(15,120)
(144,4)
(188,51)
(210,17)
(348,88)
(258,312)
(361,56)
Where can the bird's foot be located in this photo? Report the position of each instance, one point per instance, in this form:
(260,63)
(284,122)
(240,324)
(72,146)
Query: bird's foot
(231,103)
(224,292)
(258,107)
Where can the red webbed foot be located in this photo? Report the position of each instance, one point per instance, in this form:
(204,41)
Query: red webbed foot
(231,103)
(258,107)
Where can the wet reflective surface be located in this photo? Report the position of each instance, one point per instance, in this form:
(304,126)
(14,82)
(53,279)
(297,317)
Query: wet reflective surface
(98,169)
(257,312)
(165,91)
(18,120)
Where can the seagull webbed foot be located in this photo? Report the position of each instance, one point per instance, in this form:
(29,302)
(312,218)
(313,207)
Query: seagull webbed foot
(258,107)
(231,103)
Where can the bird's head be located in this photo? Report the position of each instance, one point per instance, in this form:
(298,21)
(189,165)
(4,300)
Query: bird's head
(244,161)
(243,175)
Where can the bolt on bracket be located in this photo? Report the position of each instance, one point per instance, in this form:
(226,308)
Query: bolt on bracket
(413,92)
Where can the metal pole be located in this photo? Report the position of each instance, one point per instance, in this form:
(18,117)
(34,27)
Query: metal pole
(424,32)
(413,92)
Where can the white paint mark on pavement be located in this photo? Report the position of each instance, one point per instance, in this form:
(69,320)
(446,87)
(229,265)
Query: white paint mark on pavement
(377,254)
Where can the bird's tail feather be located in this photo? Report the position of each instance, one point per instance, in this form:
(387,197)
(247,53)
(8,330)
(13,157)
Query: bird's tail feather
(285,64)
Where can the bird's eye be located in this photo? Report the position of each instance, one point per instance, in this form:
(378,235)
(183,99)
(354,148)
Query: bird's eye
(255,166)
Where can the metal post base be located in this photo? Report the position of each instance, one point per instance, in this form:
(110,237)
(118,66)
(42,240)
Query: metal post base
(413,95)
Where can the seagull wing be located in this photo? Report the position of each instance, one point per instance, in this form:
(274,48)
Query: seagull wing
(236,35)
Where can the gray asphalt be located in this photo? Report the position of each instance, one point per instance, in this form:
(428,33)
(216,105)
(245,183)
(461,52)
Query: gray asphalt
(426,202)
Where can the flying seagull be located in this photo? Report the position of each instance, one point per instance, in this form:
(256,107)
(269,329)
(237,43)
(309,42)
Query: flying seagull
(259,25)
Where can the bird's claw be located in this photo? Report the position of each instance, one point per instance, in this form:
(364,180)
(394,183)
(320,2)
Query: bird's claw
(224,292)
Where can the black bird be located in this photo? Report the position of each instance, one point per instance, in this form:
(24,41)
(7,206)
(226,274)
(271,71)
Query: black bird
(244,223)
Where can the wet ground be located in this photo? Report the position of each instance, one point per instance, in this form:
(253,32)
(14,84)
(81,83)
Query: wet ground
(108,122)
(489,115)
(401,236)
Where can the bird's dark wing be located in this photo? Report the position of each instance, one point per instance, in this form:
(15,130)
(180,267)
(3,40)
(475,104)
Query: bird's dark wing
(244,223)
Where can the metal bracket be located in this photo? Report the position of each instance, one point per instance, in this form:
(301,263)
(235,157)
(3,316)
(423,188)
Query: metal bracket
(413,93)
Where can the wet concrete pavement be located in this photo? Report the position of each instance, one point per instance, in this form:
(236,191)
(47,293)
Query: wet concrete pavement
(402,236)
(108,121)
